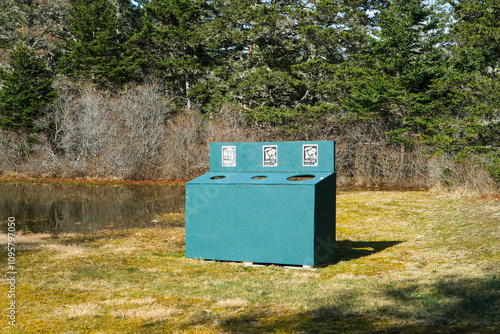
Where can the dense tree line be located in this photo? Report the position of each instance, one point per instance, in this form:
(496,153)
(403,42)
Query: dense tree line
(427,70)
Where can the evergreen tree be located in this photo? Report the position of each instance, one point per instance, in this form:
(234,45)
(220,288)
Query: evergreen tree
(176,36)
(334,34)
(285,59)
(268,87)
(474,84)
(101,48)
(259,43)
(405,60)
(26,90)
(476,33)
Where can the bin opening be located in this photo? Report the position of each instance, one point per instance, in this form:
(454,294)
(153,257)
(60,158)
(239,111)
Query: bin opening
(301,177)
(259,177)
(218,177)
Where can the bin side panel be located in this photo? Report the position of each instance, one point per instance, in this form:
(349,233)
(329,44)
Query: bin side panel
(256,223)
(325,221)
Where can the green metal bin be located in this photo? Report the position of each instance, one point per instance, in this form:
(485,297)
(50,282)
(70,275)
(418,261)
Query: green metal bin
(269,202)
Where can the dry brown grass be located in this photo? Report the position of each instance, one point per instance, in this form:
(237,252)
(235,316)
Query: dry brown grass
(78,310)
(67,251)
(232,303)
(148,313)
(408,262)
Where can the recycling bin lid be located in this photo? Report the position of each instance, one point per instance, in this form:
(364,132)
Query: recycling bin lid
(256,178)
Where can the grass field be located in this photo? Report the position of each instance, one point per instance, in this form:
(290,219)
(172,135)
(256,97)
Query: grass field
(408,262)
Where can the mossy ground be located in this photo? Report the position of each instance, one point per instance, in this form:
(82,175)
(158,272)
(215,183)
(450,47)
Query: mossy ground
(408,262)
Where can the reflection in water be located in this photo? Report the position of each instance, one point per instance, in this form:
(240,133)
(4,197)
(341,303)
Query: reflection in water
(84,208)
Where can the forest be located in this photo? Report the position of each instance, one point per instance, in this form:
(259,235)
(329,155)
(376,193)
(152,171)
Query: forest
(135,90)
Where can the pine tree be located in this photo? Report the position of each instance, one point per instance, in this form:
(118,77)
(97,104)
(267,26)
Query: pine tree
(334,33)
(259,43)
(474,84)
(399,72)
(476,33)
(176,36)
(26,90)
(101,48)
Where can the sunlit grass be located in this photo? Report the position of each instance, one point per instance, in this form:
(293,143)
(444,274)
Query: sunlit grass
(410,262)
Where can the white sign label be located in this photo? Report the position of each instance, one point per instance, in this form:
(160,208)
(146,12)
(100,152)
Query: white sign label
(270,155)
(310,155)
(228,156)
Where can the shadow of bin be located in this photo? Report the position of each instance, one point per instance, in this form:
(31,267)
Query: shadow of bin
(264,203)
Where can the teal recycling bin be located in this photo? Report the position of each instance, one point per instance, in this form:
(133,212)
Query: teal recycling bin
(264,203)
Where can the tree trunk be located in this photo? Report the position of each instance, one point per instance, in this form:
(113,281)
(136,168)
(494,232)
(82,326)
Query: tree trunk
(187,91)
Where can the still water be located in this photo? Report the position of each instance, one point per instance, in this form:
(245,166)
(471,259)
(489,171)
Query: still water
(85,208)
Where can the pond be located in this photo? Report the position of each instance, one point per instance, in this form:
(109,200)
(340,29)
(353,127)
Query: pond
(84,208)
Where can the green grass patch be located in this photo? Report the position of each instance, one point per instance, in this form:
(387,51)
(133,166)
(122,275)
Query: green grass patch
(408,262)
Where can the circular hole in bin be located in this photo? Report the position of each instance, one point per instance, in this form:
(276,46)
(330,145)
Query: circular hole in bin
(300,177)
(260,177)
(218,177)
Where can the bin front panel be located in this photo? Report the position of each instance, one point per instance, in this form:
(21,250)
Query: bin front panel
(256,223)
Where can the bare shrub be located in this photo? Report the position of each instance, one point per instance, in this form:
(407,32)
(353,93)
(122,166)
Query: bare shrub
(190,133)
(42,160)
(364,155)
(100,135)
(10,147)
(26,154)
(86,130)
(185,154)
(137,135)
(139,116)
(465,177)
(384,164)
